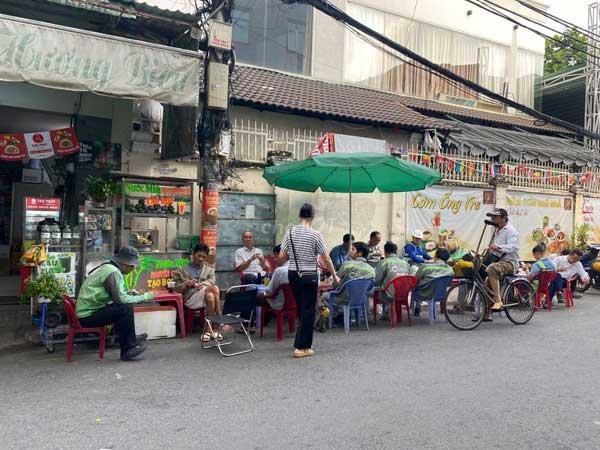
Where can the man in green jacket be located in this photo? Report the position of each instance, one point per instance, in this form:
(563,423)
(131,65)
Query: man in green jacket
(355,268)
(429,272)
(103,301)
(389,268)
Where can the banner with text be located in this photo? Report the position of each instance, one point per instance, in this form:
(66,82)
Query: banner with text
(64,59)
(591,216)
(541,218)
(449,216)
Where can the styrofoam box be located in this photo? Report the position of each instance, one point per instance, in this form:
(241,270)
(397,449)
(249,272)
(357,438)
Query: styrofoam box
(157,321)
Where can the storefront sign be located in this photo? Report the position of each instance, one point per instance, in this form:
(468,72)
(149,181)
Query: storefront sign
(450,217)
(39,145)
(210,217)
(42,204)
(59,263)
(154,272)
(174,191)
(541,218)
(66,58)
(34,176)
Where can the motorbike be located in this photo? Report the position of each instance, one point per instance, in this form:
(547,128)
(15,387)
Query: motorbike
(588,261)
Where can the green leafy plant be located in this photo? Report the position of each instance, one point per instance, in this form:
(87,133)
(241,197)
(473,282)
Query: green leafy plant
(581,235)
(101,188)
(45,285)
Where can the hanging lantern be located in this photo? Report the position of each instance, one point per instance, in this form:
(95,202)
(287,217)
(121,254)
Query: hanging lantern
(450,165)
(426,159)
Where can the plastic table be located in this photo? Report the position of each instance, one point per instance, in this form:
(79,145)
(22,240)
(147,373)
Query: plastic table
(177,301)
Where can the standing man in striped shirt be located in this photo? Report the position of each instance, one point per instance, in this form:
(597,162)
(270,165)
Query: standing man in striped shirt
(301,246)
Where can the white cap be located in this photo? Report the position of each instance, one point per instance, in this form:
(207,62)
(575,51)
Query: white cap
(418,234)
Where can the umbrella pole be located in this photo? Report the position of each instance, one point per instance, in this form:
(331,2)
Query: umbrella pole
(350,206)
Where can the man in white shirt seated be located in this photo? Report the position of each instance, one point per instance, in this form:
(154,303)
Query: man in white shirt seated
(249,260)
(568,268)
(278,279)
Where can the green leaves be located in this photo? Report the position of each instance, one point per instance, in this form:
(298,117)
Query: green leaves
(44,286)
(570,54)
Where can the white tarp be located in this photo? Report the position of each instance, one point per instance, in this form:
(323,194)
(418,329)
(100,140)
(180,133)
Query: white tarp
(61,58)
(451,216)
(541,218)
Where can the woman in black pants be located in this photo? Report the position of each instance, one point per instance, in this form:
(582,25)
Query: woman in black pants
(301,246)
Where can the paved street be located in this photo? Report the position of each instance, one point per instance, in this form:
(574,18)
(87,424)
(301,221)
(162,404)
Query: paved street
(501,386)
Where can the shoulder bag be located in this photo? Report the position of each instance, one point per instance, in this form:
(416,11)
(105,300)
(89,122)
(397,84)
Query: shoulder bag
(306,277)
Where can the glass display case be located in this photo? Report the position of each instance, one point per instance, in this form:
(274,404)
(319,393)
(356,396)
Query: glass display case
(98,230)
(156,218)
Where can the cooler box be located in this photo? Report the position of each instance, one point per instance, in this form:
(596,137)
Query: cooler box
(156,321)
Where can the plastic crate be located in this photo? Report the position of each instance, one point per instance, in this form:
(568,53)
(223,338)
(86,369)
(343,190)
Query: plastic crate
(187,242)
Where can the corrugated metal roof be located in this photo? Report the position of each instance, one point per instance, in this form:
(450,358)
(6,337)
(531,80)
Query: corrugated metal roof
(520,145)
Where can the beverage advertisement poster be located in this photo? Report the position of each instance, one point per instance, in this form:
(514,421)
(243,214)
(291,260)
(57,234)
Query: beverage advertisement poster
(449,216)
(591,216)
(541,218)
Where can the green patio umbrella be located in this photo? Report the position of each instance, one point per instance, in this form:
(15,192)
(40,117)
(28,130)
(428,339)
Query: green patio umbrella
(351,173)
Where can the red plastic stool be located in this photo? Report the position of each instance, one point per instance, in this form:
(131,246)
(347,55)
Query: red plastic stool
(190,314)
(403,285)
(544,280)
(75,328)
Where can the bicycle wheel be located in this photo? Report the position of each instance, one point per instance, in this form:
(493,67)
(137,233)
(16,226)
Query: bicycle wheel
(519,301)
(465,306)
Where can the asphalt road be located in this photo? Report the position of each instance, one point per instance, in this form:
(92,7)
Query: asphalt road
(429,386)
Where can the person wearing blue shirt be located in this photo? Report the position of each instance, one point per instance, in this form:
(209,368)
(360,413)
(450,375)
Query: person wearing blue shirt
(341,253)
(541,264)
(414,252)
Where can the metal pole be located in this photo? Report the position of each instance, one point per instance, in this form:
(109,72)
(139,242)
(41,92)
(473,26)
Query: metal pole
(350,205)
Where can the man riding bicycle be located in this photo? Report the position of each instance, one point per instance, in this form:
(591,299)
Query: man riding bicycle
(503,255)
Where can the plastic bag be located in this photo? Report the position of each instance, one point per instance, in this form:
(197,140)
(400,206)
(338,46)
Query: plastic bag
(36,255)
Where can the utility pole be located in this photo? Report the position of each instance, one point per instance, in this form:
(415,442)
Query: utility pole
(218,65)
(592,79)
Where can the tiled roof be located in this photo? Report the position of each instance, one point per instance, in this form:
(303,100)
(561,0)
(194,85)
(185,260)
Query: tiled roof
(298,94)
(486,117)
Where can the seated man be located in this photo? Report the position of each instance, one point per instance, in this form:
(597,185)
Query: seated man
(541,264)
(356,268)
(415,253)
(278,279)
(375,250)
(429,272)
(103,301)
(340,253)
(198,286)
(389,268)
(568,267)
(249,260)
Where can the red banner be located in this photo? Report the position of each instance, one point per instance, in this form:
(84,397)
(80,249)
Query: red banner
(12,147)
(42,204)
(39,145)
(210,216)
(64,141)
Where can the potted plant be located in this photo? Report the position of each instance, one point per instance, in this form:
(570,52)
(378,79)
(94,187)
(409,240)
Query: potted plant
(44,289)
(99,189)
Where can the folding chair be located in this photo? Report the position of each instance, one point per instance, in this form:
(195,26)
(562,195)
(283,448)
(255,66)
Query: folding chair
(238,300)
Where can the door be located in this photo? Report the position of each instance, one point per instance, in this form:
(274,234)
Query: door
(239,212)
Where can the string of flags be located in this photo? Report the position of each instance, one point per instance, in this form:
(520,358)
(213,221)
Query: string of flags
(38,145)
(495,169)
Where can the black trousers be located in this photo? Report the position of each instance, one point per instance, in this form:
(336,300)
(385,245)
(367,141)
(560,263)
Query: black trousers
(121,315)
(306,302)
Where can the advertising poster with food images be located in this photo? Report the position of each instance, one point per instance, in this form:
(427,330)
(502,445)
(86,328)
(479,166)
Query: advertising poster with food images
(452,217)
(591,216)
(541,218)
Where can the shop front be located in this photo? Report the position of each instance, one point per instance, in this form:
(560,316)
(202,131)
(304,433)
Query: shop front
(69,100)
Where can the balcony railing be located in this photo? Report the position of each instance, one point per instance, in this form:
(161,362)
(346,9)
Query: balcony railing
(253,139)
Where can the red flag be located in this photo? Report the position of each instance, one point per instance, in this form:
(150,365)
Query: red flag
(64,141)
(12,147)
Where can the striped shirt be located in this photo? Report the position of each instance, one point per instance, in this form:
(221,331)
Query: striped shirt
(308,244)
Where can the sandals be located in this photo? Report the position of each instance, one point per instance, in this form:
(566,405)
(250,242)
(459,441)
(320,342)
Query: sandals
(207,337)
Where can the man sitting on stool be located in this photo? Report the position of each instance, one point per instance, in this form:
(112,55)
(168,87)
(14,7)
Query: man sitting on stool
(103,301)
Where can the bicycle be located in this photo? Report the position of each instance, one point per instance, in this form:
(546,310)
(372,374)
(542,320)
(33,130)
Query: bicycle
(468,300)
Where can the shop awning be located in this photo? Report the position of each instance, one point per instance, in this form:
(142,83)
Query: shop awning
(59,57)
(519,145)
